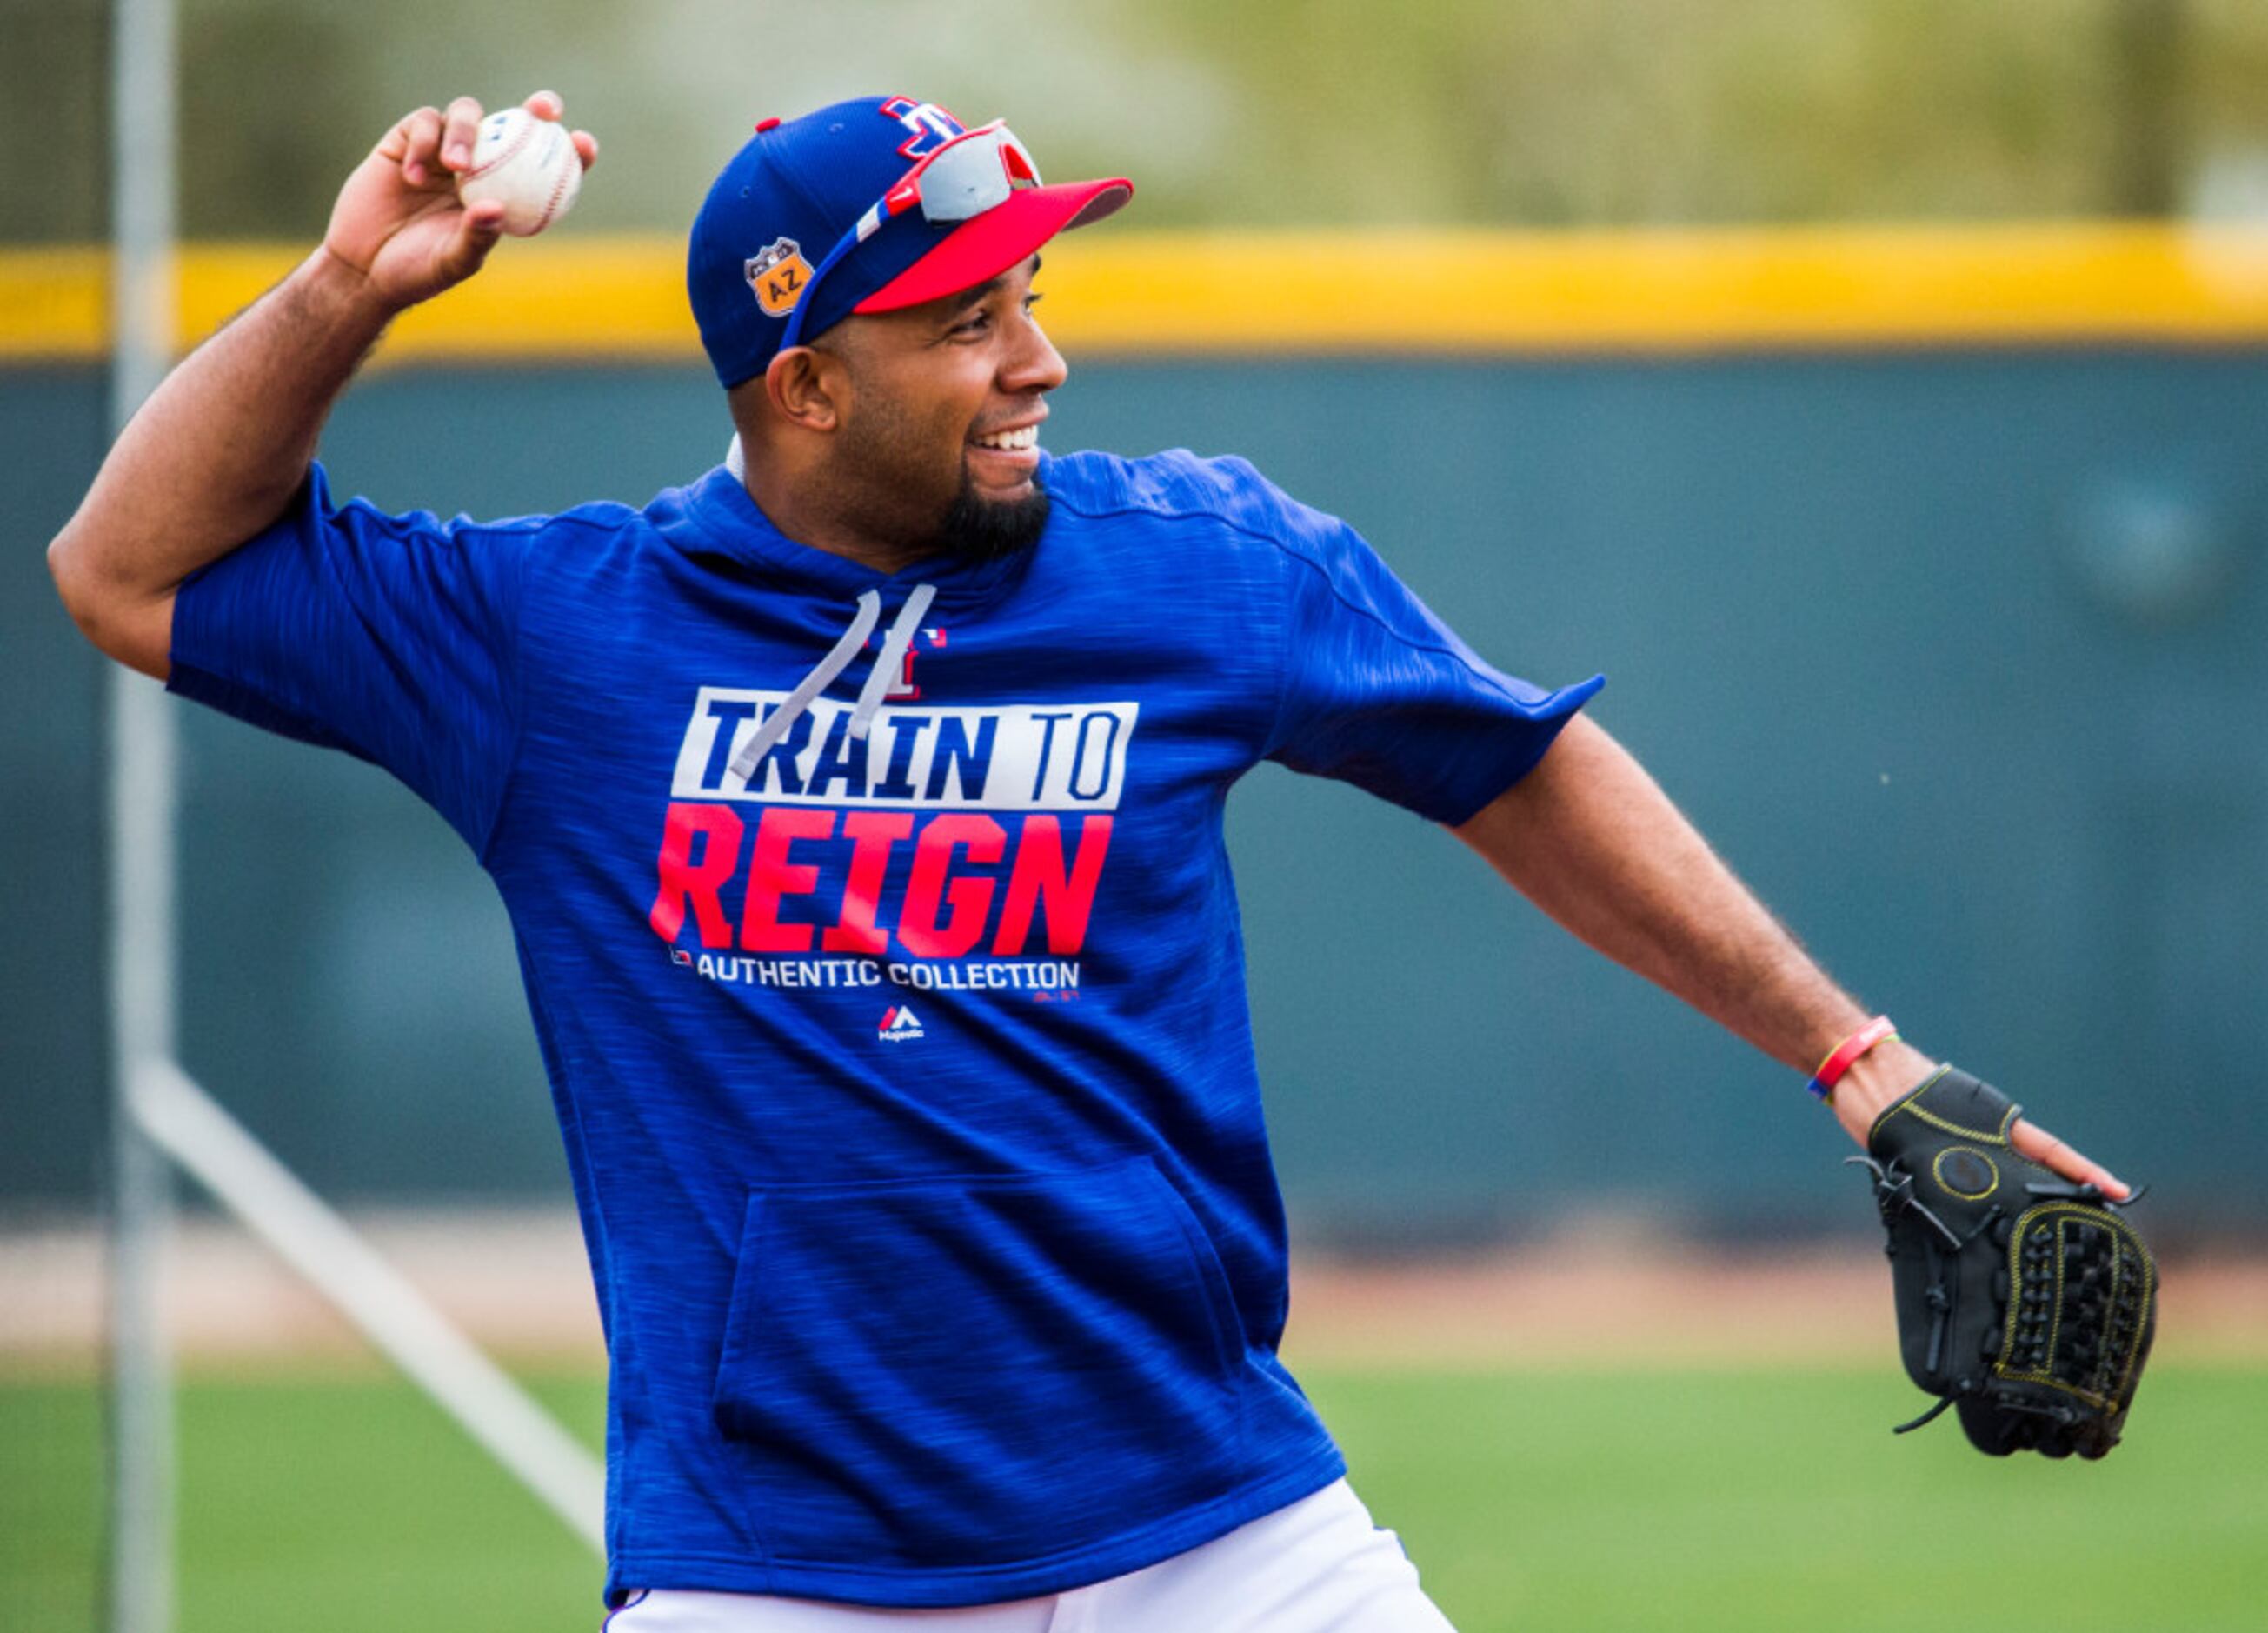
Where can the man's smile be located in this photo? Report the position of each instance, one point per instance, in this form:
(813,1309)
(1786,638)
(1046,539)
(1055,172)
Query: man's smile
(1006,457)
(1015,441)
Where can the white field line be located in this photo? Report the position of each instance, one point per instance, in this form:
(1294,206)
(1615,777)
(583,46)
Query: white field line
(313,1240)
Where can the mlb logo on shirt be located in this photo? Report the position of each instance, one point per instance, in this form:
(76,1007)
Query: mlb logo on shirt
(898,1024)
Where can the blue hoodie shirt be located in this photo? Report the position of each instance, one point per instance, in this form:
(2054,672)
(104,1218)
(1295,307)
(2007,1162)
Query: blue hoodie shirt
(903,1066)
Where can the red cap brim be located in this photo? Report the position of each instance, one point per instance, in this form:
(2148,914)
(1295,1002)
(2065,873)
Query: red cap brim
(986,246)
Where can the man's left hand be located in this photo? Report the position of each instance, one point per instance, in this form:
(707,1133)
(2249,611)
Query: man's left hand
(1888,1072)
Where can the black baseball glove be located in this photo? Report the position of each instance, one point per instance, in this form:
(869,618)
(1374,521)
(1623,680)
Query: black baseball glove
(2022,1299)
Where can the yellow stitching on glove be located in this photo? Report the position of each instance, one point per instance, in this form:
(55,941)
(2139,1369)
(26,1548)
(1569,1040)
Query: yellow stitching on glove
(1998,1137)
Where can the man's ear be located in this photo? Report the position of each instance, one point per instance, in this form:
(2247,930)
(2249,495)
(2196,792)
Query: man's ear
(808,387)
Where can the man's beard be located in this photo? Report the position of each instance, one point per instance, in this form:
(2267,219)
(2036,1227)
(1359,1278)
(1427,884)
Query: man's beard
(976,530)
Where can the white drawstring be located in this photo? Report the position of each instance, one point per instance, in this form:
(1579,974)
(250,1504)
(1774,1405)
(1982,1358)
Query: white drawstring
(774,726)
(893,658)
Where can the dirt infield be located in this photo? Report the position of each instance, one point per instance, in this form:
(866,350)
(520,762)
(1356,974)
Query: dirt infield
(519,1284)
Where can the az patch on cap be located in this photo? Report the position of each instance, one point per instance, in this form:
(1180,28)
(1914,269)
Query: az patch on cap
(777,274)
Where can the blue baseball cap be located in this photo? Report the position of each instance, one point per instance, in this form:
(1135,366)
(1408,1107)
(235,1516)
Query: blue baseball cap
(821,217)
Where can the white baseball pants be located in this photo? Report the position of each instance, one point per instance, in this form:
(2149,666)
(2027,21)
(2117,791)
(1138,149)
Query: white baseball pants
(1318,1565)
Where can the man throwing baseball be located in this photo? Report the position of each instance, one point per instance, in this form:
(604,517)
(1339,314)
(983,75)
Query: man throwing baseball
(858,811)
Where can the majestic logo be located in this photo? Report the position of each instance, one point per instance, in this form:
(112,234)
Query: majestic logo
(777,274)
(931,127)
(899,1024)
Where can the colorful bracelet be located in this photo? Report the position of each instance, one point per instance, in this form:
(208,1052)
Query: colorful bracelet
(1845,1055)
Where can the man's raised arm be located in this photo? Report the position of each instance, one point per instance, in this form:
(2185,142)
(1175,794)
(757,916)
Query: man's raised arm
(1590,838)
(220,448)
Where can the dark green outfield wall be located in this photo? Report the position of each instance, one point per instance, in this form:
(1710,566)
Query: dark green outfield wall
(1960,660)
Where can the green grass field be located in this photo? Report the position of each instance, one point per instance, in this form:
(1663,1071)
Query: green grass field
(1530,1499)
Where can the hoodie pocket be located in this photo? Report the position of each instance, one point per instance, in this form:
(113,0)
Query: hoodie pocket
(976,1372)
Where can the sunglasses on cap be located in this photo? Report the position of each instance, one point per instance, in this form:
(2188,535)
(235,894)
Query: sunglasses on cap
(972,172)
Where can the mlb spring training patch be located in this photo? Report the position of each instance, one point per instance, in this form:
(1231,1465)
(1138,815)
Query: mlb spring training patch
(903,1066)
(777,276)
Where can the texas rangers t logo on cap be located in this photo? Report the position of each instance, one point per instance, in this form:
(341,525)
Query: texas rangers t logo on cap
(777,273)
(931,126)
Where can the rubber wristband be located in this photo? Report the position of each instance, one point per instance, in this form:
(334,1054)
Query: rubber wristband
(1845,1055)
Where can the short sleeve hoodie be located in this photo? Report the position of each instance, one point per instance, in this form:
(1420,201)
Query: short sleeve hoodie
(903,1066)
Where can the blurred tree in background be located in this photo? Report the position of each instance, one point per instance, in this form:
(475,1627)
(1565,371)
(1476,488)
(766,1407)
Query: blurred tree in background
(1485,112)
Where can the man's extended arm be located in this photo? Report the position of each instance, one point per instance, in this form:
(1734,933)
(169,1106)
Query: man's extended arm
(1590,838)
(219,448)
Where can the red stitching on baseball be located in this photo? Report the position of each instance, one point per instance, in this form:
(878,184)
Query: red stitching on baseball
(559,189)
(526,135)
(559,185)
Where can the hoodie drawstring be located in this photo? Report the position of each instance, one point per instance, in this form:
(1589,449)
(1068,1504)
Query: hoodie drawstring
(887,667)
(774,725)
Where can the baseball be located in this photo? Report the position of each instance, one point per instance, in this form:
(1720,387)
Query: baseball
(529,165)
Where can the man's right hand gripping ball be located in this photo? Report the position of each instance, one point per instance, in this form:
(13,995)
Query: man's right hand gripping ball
(2023,1299)
(399,222)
